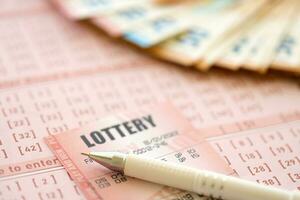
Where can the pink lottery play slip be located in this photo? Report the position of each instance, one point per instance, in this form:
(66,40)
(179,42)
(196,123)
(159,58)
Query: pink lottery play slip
(159,132)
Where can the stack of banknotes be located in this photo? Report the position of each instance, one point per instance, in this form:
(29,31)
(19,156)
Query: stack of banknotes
(255,35)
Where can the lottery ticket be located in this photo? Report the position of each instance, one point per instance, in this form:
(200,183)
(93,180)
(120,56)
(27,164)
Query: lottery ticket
(32,110)
(268,155)
(159,132)
(48,184)
(189,47)
(161,28)
(232,143)
(80,9)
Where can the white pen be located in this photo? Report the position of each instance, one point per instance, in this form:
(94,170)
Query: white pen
(190,179)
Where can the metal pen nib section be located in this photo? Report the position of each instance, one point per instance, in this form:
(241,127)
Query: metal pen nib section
(111,160)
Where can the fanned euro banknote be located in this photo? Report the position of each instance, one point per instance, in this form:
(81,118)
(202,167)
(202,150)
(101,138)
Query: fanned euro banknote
(255,35)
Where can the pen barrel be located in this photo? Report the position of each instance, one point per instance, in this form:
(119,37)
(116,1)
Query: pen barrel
(201,181)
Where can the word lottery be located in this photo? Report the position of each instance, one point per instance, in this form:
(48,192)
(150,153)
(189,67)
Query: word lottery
(122,130)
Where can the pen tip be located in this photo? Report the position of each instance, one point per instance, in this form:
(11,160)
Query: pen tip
(85,154)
